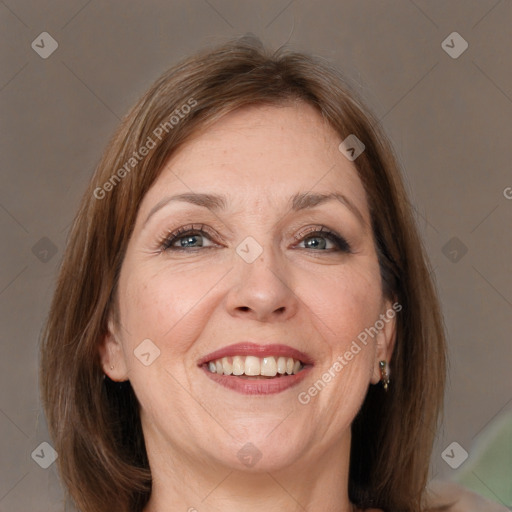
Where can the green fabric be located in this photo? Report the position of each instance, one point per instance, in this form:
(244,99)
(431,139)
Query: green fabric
(488,470)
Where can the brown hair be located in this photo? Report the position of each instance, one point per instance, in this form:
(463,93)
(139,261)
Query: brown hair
(95,423)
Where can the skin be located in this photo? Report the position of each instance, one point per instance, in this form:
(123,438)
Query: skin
(460,499)
(189,304)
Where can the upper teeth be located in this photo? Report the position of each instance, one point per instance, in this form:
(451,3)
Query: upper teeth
(252,365)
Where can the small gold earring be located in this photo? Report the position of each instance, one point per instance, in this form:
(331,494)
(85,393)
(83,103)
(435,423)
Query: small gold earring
(384,374)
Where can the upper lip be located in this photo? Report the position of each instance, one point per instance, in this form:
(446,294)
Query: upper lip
(247,348)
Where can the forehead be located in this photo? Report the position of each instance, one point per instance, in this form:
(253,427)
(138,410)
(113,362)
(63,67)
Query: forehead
(258,155)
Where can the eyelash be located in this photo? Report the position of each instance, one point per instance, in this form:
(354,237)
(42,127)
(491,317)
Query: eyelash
(165,243)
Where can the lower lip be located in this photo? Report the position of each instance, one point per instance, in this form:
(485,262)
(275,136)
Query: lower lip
(258,386)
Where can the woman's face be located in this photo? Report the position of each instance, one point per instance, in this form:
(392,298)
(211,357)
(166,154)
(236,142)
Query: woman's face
(266,266)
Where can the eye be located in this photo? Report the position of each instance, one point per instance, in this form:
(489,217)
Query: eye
(186,237)
(192,237)
(317,238)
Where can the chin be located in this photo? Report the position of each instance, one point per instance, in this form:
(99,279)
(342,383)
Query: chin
(262,449)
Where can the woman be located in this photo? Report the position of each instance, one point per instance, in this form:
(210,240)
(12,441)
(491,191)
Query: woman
(245,316)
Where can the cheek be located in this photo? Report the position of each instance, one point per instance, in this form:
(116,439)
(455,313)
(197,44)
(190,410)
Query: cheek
(342,306)
(345,302)
(163,306)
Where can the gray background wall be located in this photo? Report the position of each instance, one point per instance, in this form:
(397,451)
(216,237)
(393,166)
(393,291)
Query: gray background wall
(449,118)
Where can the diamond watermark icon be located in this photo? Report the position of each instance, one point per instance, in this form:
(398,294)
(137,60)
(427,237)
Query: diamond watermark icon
(249,455)
(249,249)
(454,45)
(454,455)
(454,249)
(351,147)
(146,352)
(44,249)
(44,455)
(44,45)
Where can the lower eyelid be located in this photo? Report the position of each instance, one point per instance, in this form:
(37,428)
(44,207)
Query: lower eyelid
(339,246)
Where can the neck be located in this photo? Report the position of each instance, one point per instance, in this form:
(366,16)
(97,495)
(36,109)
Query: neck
(315,481)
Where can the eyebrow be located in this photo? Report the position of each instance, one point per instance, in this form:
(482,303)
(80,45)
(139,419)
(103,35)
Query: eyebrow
(298,202)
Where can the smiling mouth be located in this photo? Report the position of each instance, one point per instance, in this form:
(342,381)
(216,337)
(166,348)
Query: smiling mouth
(255,368)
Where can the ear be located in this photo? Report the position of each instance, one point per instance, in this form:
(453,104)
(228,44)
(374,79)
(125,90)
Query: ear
(112,356)
(385,338)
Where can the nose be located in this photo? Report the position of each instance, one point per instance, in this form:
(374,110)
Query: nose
(262,290)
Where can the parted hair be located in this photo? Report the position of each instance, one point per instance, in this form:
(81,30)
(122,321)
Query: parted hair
(94,423)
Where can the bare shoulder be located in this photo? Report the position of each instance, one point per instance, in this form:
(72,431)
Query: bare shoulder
(448,496)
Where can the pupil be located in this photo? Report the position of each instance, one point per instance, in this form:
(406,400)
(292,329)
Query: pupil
(189,240)
(313,242)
